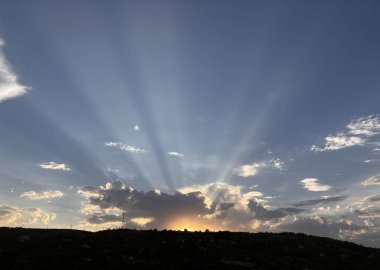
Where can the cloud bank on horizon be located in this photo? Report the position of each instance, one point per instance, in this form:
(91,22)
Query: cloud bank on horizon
(233,126)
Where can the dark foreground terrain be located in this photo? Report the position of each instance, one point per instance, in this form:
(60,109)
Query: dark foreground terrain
(131,249)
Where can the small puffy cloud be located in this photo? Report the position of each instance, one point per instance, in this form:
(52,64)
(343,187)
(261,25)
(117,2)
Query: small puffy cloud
(16,216)
(372,181)
(312,184)
(248,170)
(136,128)
(49,194)
(357,133)
(55,166)
(9,84)
(142,221)
(173,153)
(125,147)
(323,200)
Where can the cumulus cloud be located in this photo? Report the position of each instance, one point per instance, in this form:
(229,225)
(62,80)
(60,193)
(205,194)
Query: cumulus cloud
(54,166)
(125,147)
(49,194)
(323,200)
(173,153)
(357,133)
(247,170)
(312,184)
(214,206)
(372,181)
(10,87)
(16,216)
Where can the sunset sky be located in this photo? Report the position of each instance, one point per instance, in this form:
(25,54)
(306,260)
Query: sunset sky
(220,115)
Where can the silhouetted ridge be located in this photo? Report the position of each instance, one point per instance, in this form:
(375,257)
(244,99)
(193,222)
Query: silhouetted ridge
(132,249)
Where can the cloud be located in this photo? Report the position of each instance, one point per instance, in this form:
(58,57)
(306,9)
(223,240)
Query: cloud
(368,207)
(16,216)
(312,184)
(124,147)
(338,142)
(357,133)
(49,194)
(367,126)
(323,200)
(214,206)
(320,226)
(55,166)
(372,181)
(136,128)
(247,170)
(175,154)
(9,84)
(221,206)
(261,212)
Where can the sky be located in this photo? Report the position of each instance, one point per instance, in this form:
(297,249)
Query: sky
(220,115)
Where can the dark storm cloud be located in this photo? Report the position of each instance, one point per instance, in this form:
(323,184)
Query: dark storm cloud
(262,213)
(151,204)
(162,207)
(320,201)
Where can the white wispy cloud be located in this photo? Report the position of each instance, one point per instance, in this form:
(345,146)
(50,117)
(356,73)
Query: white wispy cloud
(175,154)
(49,194)
(247,170)
(372,181)
(357,133)
(124,147)
(312,184)
(51,165)
(367,126)
(136,128)
(10,87)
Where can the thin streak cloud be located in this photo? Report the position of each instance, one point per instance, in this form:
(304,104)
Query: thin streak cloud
(125,147)
(49,194)
(51,165)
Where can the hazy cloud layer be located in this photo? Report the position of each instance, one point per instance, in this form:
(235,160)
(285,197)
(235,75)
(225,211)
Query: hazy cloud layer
(358,132)
(374,180)
(16,216)
(10,87)
(49,194)
(323,200)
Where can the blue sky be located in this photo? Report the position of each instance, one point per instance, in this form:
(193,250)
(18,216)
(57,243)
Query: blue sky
(241,115)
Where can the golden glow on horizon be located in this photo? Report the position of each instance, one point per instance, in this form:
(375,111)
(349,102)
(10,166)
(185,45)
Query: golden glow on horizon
(191,224)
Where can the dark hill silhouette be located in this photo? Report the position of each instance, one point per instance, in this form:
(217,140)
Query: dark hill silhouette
(132,249)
